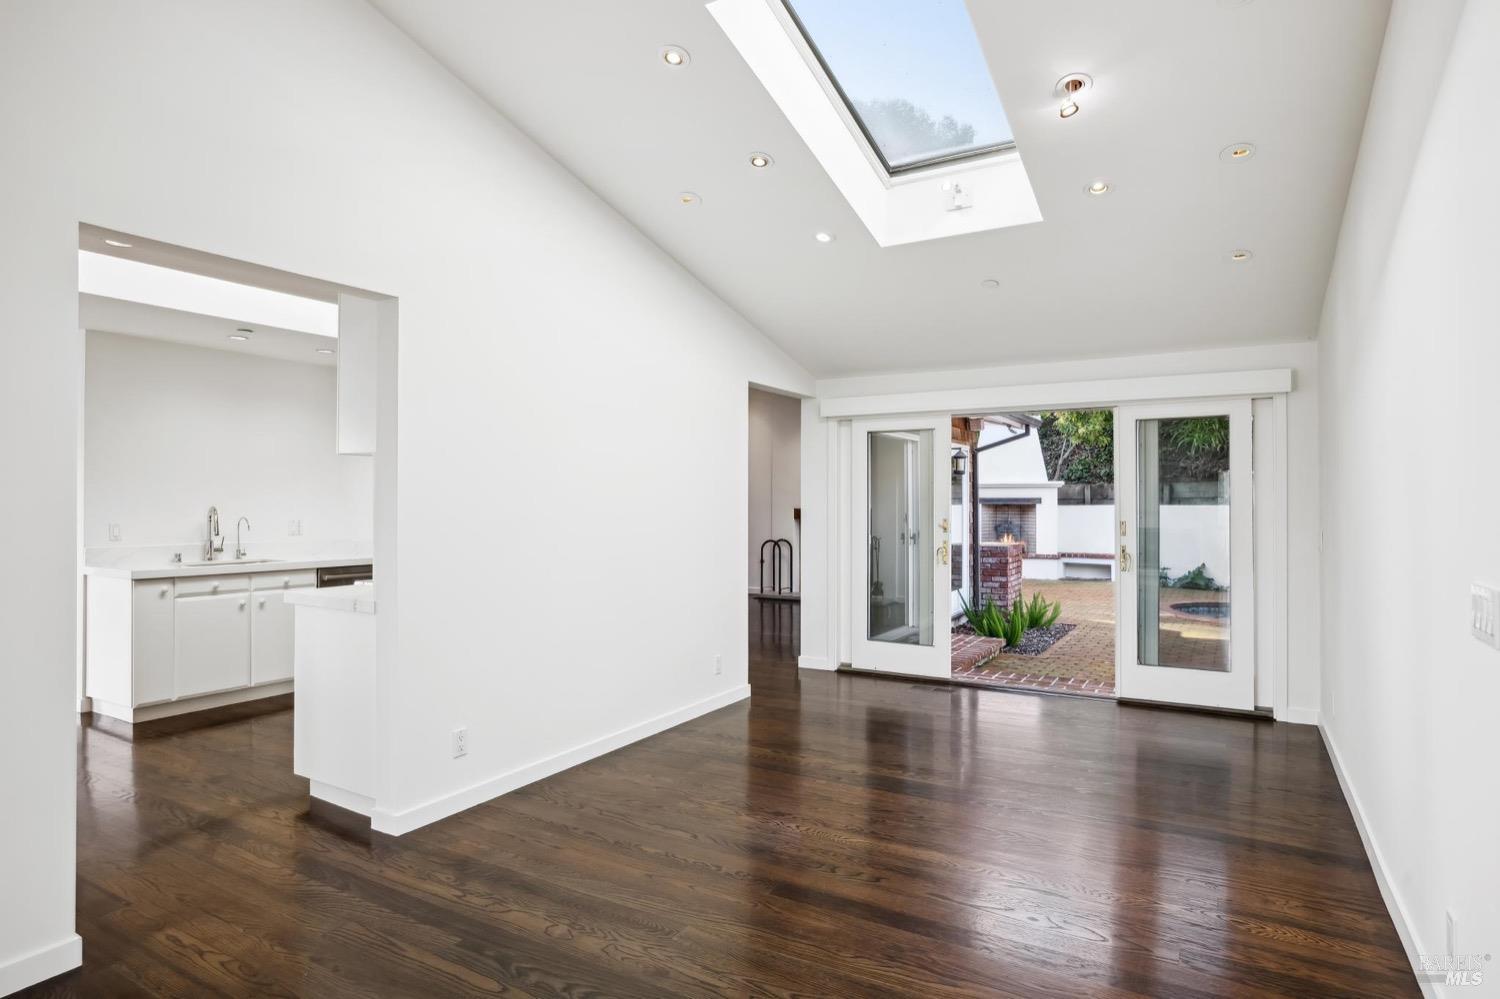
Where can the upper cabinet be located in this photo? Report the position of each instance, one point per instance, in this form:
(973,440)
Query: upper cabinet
(359,337)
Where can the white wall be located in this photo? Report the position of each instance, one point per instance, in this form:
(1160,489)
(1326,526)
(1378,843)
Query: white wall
(1409,699)
(318,139)
(1086,527)
(170,430)
(821,617)
(1019,461)
(775,480)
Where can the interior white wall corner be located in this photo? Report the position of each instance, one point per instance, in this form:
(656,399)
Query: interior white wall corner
(1408,354)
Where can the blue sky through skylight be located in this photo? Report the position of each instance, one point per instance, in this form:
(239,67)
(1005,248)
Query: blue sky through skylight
(914,73)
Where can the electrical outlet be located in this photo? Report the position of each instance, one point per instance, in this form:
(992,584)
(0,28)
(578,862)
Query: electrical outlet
(294,528)
(718,665)
(114,532)
(460,742)
(1484,602)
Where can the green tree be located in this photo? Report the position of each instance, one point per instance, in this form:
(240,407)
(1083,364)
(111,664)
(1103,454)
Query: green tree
(1078,445)
(905,130)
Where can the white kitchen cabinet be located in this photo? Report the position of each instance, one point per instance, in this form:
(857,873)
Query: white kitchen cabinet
(153,657)
(166,646)
(271,635)
(359,334)
(212,641)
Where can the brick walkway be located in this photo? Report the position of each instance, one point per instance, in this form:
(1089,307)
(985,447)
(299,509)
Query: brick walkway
(1083,661)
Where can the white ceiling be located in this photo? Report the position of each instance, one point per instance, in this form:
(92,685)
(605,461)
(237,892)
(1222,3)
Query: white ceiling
(1141,269)
(114,315)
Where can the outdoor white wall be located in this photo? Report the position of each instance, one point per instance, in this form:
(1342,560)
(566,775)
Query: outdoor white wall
(170,430)
(1086,528)
(533,320)
(1018,461)
(775,477)
(1409,701)
(819,634)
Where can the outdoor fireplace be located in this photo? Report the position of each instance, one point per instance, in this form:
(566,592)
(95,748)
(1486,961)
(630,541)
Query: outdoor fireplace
(1013,517)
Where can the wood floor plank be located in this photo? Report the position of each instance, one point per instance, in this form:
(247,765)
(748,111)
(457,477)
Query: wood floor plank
(836,835)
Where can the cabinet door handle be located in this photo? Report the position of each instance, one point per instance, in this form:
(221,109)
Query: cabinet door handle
(262,603)
(164,591)
(242,605)
(214,588)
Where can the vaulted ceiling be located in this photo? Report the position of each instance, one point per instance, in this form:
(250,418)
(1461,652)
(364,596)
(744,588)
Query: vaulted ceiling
(1146,267)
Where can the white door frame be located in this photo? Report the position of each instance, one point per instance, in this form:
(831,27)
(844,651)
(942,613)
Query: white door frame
(1135,679)
(828,641)
(932,660)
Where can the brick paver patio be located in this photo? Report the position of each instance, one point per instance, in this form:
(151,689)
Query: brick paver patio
(1083,661)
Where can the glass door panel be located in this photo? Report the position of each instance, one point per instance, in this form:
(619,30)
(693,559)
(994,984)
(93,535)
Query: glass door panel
(1183,546)
(900,491)
(901,559)
(1187,627)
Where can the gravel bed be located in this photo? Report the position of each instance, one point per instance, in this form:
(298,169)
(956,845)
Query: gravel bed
(1038,640)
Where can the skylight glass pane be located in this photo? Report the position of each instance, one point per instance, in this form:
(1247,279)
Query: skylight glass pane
(913,74)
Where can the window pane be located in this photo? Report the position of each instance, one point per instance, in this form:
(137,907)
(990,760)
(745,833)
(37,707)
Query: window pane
(912,72)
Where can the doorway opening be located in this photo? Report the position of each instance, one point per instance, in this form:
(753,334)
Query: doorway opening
(774,555)
(1034,493)
(229,474)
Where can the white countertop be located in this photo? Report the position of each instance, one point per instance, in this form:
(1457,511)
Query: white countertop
(226,567)
(358,597)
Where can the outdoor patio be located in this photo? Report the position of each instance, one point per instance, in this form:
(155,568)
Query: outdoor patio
(1083,661)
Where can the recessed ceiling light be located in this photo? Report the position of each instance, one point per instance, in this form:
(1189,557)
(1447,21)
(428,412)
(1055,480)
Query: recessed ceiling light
(118,242)
(1240,256)
(1098,187)
(238,336)
(823,237)
(1068,89)
(989,283)
(324,350)
(675,55)
(689,198)
(1237,151)
(761,160)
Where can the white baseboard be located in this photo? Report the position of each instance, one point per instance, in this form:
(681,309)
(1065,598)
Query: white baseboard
(813,662)
(40,965)
(170,709)
(344,799)
(1299,716)
(397,823)
(1388,892)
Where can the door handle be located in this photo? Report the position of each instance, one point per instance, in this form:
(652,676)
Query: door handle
(942,553)
(1124,559)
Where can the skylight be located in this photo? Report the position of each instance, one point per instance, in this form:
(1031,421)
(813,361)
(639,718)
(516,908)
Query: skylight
(912,74)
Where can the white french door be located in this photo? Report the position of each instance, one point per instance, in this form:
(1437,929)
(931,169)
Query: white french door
(1186,594)
(900,545)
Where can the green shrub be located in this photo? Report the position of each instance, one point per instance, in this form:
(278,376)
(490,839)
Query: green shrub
(988,620)
(1012,625)
(1013,628)
(1198,579)
(1041,613)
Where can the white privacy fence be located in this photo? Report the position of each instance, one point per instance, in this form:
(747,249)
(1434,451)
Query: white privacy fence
(1191,535)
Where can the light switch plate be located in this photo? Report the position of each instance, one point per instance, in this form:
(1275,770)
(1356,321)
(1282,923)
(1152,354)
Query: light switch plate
(1485,615)
(114,532)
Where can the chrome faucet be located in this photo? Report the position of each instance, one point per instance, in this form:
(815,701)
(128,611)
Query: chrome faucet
(209,548)
(239,546)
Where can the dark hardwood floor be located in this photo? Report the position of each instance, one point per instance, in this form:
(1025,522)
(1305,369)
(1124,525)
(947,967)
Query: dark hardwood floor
(835,835)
